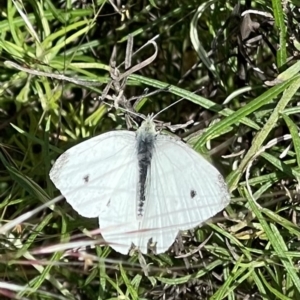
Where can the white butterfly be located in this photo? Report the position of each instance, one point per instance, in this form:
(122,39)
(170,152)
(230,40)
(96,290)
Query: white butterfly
(143,186)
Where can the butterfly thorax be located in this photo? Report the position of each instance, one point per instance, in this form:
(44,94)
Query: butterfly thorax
(145,139)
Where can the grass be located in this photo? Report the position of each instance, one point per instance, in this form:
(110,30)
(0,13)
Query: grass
(242,98)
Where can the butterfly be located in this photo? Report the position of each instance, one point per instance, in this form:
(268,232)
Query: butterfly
(143,186)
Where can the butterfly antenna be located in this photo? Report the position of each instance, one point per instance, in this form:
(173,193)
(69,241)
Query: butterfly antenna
(124,109)
(167,107)
(172,103)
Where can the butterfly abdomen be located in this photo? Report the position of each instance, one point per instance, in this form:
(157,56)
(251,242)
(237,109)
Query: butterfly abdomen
(145,140)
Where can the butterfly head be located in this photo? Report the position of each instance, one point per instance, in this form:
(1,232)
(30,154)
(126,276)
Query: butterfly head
(148,126)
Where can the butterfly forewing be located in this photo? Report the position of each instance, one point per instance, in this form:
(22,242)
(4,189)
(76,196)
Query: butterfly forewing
(89,173)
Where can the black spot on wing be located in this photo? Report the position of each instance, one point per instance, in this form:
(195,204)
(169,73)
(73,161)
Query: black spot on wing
(193,193)
(86,178)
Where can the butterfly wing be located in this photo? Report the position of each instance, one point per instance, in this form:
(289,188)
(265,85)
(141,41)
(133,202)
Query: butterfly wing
(90,173)
(184,190)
